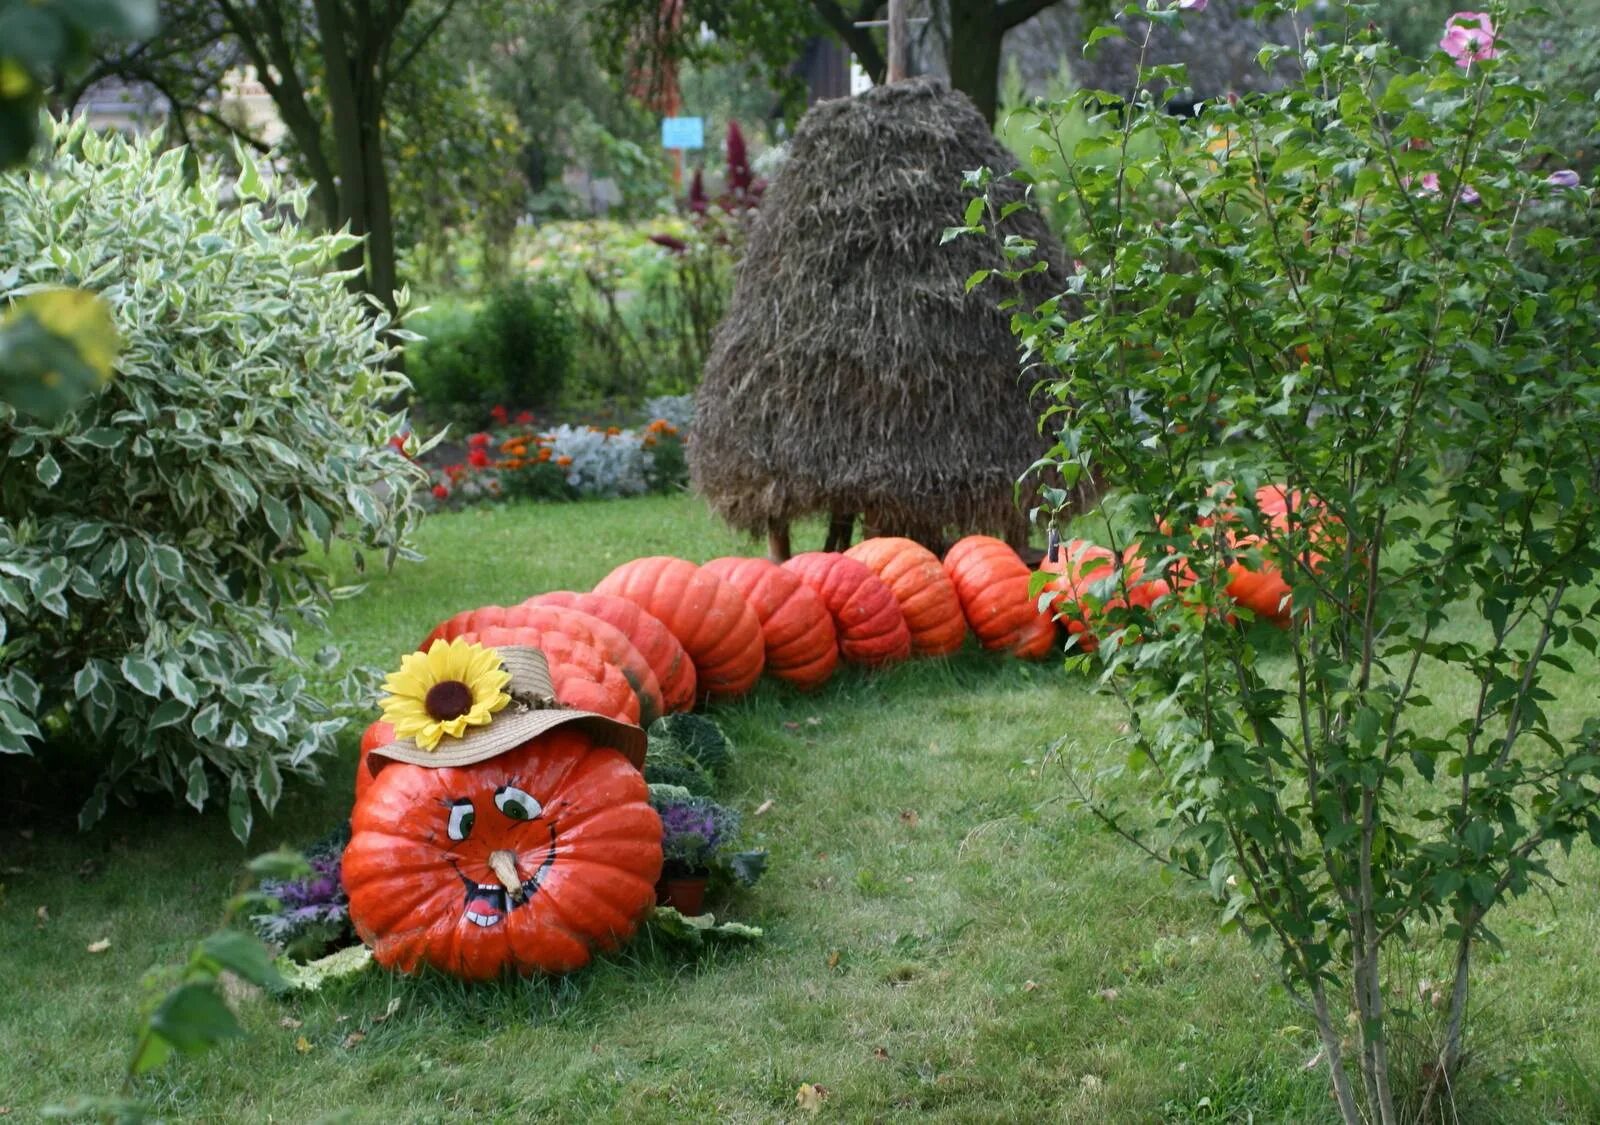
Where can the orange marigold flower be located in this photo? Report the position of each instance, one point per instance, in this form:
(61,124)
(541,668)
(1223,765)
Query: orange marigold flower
(564,461)
(513,464)
(544,454)
(613,431)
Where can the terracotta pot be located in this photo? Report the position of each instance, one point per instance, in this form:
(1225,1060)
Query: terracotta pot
(686,894)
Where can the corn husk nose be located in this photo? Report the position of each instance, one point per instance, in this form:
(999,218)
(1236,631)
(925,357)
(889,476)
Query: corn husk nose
(504,865)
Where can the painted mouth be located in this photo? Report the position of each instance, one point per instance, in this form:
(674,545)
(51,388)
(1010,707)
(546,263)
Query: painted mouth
(488,904)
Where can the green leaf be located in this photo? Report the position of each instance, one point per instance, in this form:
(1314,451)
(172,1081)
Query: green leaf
(198,788)
(143,673)
(244,956)
(193,1018)
(339,965)
(85,535)
(240,815)
(284,863)
(48,471)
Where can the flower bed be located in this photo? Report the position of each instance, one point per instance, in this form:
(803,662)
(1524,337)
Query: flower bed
(516,458)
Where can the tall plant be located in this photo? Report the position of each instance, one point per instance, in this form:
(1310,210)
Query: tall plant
(1354,288)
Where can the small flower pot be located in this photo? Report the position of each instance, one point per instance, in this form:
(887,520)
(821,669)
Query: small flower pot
(684,893)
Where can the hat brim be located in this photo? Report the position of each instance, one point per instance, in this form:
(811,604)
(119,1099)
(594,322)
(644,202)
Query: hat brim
(511,731)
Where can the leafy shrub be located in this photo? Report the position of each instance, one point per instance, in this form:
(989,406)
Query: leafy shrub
(1354,286)
(528,327)
(516,348)
(152,544)
(453,364)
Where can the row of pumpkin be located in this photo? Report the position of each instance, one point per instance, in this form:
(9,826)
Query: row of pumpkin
(458,867)
(660,634)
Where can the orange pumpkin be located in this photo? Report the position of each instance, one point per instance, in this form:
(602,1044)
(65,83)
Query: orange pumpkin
(529,861)
(581,676)
(871,628)
(600,635)
(924,591)
(655,642)
(1079,566)
(802,646)
(992,583)
(713,622)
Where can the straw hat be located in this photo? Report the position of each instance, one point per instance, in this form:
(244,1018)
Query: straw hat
(460,703)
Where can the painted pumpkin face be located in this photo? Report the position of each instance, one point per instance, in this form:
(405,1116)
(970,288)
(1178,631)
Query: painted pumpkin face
(527,862)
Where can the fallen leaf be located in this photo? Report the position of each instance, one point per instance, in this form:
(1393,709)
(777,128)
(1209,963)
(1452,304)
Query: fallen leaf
(99,946)
(791,726)
(1030,986)
(909,818)
(303,1045)
(764,807)
(25,833)
(41,917)
(1091,1083)
(810,1097)
(289,1023)
(392,1007)
(354,1039)
(813,720)
(881,1054)
(1107,994)
(89,868)
(340,1019)
(833,959)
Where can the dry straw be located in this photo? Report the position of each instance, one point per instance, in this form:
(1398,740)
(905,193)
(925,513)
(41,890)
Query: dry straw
(853,372)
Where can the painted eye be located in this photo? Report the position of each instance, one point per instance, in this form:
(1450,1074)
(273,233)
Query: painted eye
(462,814)
(516,804)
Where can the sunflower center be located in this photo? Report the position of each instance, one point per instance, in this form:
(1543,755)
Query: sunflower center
(448,700)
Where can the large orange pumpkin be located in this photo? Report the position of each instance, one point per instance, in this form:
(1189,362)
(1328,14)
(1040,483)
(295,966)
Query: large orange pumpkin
(924,591)
(802,646)
(600,635)
(992,583)
(529,861)
(582,678)
(713,622)
(655,642)
(871,628)
(1079,565)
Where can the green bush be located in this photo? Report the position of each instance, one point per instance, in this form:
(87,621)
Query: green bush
(1355,295)
(453,364)
(529,329)
(153,563)
(515,351)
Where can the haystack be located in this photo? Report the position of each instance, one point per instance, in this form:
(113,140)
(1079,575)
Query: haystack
(853,373)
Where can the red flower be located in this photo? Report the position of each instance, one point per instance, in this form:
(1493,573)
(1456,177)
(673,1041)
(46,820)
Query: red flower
(676,245)
(478,441)
(478,458)
(739,175)
(440,491)
(697,194)
(498,413)
(524,417)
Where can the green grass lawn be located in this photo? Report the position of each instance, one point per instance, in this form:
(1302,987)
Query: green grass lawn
(948,938)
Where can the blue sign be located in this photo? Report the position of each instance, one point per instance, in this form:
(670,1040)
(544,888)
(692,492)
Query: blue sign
(683,132)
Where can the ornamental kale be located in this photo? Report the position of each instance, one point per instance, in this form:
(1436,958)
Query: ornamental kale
(313,912)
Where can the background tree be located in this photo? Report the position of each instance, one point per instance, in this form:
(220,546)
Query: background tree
(331,68)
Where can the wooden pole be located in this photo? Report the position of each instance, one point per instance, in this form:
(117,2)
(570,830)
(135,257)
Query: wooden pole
(899,40)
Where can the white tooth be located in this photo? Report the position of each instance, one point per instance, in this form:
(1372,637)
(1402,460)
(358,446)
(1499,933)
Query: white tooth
(482,919)
(488,886)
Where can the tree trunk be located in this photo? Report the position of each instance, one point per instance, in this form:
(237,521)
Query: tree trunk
(778,541)
(348,159)
(976,33)
(841,527)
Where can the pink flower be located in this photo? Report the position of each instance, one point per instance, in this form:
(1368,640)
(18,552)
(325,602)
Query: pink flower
(1469,38)
(1468,194)
(1430,181)
(1564,178)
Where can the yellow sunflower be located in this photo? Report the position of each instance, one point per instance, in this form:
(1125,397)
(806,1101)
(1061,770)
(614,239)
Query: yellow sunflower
(454,685)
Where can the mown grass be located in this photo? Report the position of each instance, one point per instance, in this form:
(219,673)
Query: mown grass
(948,938)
